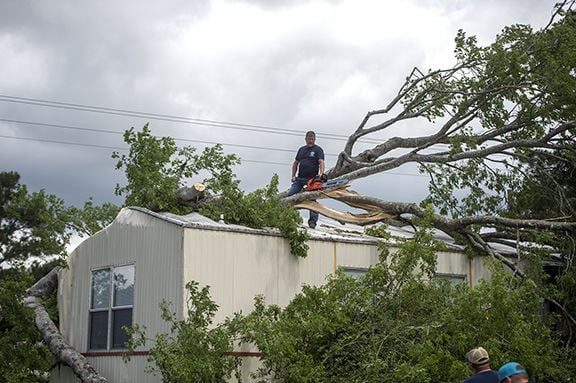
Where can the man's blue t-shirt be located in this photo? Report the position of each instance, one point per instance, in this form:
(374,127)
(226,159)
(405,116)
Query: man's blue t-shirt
(483,377)
(308,158)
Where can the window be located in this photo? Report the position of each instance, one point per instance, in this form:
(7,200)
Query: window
(355,272)
(453,278)
(111,303)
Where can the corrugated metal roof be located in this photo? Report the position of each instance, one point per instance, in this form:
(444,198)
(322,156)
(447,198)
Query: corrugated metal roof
(327,229)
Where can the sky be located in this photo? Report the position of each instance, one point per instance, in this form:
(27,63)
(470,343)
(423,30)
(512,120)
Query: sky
(253,75)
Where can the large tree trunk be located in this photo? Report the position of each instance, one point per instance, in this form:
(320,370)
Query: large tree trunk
(190,196)
(59,347)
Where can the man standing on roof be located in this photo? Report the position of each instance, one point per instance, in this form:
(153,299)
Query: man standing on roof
(309,163)
(479,363)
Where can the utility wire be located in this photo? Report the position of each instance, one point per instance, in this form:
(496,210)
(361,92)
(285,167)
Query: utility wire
(62,142)
(114,147)
(124,149)
(161,117)
(59,126)
(170,118)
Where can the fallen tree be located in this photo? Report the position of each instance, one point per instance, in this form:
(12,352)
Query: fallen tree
(499,144)
(59,346)
(495,120)
(397,213)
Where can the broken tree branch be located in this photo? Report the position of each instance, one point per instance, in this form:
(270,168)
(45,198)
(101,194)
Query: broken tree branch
(59,347)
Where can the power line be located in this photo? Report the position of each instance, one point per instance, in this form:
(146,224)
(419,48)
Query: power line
(162,117)
(62,142)
(123,149)
(169,118)
(59,126)
(110,147)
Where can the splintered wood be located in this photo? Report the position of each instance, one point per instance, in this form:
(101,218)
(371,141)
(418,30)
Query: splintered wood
(372,215)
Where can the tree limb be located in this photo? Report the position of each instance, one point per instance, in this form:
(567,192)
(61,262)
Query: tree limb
(59,347)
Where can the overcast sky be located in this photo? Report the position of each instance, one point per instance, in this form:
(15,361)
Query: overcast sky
(72,74)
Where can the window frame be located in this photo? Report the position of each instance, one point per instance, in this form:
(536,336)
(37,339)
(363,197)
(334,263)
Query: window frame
(355,272)
(112,308)
(454,278)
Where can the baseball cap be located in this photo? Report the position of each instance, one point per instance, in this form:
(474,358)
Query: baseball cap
(510,369)
(477,356)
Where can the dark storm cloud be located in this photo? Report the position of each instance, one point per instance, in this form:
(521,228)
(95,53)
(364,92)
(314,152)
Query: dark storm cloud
(294,65)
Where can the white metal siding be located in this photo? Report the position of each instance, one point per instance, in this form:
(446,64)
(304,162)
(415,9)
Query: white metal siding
(239,266)
(155,248)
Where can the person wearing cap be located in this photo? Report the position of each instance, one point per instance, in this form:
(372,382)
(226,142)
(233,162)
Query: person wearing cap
(512,372)
(479,362)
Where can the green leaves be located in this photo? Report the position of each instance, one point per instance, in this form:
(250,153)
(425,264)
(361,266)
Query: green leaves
(194,351)
(504,100)
(21,352)
(398,323)
(31,224)
(150,179)
(33,227)
(156,168)
(39,224)
(92,218)
(260,209)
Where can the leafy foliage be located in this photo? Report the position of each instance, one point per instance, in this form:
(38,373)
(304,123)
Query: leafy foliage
(192,351)
(548,191)
(40,224)
(398,323)
(156,168)
(21,350)
(31,224)
(33,227)
(91,218)
(520,87)
(258,209)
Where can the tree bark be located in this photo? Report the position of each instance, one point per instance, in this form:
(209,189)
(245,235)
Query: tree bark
(406,212)
(59,347)
(191,196)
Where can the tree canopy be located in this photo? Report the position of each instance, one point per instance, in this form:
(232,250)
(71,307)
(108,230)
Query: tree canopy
(398,323)
(35,228)
(157,172)
(498,127)
(31,224)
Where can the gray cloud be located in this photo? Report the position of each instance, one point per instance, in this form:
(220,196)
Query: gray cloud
(294,65)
